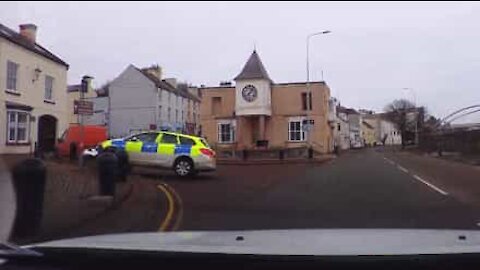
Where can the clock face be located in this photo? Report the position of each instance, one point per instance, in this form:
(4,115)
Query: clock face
(249,93)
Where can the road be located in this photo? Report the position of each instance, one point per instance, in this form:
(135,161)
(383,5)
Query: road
(360,189)
(370,188)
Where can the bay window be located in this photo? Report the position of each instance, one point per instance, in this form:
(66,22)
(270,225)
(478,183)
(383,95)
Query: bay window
(17,127)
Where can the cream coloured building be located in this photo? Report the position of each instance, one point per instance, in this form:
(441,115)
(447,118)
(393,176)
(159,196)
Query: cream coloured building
(258,113)
(33,108)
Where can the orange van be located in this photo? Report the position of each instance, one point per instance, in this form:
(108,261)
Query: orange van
(71,143)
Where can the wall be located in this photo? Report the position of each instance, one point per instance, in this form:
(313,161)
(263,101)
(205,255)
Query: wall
(287,102)
(388,129)
(344,133)
(133,103)
(31,93)
(208,121)
(368,135)
(100,112)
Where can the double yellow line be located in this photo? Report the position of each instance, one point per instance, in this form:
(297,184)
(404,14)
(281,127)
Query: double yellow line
(172,196)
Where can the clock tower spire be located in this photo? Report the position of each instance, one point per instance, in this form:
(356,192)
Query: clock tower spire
(253,88)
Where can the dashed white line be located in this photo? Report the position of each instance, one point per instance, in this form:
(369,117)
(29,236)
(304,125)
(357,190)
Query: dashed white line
(389,161)
(444,193)
(402,169)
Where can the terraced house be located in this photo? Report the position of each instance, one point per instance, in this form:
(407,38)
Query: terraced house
(140,99)
(33,80)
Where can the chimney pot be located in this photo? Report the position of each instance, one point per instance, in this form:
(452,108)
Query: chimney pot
(29,31)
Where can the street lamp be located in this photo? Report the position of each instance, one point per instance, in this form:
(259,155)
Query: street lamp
(308,82)
(416,112)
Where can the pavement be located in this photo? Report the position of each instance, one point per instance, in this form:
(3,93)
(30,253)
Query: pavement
(70,199)
(368,188)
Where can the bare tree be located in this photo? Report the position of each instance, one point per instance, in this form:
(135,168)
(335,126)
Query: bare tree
(396,112)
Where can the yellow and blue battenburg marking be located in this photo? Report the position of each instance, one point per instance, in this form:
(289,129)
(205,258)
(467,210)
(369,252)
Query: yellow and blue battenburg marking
(180,149)
(118,143)
(149,147)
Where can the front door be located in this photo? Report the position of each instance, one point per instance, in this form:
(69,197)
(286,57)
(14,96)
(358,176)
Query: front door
(47,132)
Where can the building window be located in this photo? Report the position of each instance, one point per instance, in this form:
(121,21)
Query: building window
(12,70)
(338,127)
(295,130)
(169,114)
(216,105)
(160,94)
(194,118)
(183,116)
(306,101)
(48,88)
(226,133)
(160,112)
(17,127)
(176,115)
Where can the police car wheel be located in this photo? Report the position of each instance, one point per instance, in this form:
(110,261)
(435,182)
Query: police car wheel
(183,167)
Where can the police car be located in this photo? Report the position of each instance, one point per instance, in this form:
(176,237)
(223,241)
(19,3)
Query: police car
(185,154)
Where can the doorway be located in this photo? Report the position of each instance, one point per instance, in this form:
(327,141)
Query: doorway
(47,133)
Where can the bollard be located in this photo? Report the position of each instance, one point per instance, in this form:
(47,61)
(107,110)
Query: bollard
(29,178)
(107,164)
(310,153)
(123,165)
(281,154)
(245,154)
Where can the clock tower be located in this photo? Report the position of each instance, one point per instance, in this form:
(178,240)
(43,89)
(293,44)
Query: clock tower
(253,98)
(253,89)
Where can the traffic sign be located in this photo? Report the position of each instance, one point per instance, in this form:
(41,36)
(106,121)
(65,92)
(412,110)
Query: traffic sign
(83,107)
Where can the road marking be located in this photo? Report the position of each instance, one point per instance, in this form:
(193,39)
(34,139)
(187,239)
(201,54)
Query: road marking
(402,169)
(430,185)
(171,208)
(389,161)
(180,210)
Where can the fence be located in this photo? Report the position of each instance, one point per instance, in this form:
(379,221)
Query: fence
(466,142)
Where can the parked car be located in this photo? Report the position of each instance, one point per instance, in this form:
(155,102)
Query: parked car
(71,143)
(185,154)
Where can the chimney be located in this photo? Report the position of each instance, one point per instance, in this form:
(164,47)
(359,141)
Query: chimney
(172,82)
(29,31)
(155,70)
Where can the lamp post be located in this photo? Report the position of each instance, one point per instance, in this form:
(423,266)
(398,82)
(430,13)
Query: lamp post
(309,95)
(416,112)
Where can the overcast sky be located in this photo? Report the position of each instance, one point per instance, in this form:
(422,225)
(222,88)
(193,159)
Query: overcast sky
(374,50)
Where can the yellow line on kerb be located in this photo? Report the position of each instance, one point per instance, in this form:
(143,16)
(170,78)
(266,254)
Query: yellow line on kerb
(171,208)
